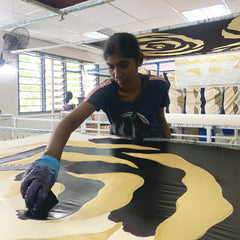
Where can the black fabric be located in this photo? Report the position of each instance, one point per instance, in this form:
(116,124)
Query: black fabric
(155,201)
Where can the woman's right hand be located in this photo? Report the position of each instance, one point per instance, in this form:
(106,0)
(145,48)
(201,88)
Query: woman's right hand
(37,182)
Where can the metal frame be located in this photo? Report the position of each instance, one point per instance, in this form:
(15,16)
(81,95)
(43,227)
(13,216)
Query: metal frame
(65,11)
(86,129)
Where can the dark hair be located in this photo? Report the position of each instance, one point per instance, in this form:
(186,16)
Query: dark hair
(124,43)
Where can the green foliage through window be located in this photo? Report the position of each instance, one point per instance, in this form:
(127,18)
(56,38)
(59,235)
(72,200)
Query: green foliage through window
(44,80)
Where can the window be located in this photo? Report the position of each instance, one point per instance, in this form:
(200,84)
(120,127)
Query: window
(30,83)
(74,81)
(54,84)
(45,79)
(90,78)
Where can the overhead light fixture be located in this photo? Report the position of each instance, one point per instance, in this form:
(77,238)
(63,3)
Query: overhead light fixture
(207,13)
(95,35)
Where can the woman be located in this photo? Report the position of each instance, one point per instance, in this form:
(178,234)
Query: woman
(128,94)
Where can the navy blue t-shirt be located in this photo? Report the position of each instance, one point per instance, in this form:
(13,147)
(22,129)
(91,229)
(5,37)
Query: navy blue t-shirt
(105,97)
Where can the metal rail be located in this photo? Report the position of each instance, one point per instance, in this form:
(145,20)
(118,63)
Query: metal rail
(100,127)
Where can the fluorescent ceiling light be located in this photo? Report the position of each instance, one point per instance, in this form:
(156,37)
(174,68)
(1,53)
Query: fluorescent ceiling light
(95,35)
(207,12)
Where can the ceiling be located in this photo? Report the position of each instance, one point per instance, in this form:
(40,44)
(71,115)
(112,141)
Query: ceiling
(67,25)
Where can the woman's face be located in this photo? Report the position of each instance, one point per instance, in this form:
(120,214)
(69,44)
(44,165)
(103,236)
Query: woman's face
(123,70)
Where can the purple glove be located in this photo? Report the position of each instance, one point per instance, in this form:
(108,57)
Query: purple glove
(38,180)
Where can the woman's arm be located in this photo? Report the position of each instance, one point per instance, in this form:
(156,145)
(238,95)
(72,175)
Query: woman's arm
(164,124)
(42,174)
(64,129)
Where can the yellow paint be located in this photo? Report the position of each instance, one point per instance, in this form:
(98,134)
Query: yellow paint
(80,157)
(237,66)
(157,41)
(196,71)
(106,145)
(235,26)
(117,192)
(201,207)
(215,70)
(84,236)
(204,60)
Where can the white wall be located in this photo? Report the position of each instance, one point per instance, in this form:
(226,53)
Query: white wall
(9,77)
(8,90)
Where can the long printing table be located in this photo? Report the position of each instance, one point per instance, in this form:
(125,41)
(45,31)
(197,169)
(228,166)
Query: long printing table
(113,188)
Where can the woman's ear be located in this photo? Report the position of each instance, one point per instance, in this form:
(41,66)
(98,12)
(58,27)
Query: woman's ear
(140,59)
